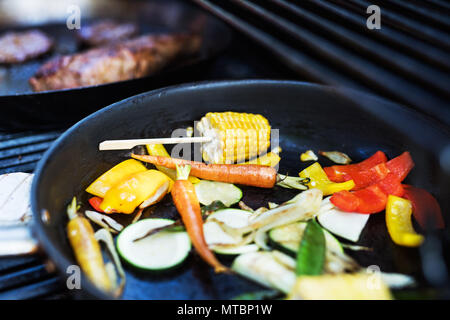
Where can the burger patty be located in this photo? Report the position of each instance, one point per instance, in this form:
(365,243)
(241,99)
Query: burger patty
(17,47)
(106,32)
(125,60)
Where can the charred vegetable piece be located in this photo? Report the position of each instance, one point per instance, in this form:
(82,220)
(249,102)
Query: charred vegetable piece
(159,150)
(141,189)
(344,172)
(250,175)
(236,136)
(426,209)
(113,176)
(336,156)
(86,248)
(311,252)
(187,204)
(319,180)
(340,287)
(399,224)
(308,156)
(265,268)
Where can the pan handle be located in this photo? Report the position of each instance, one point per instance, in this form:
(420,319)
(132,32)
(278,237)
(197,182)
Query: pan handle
(16,239)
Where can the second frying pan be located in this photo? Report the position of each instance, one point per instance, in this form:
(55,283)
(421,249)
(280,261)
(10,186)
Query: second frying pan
(21,108)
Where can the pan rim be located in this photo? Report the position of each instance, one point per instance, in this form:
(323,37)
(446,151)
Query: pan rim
(58,258)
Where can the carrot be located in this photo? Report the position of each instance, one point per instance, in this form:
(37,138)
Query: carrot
(186,202)
(250,175)
(86,248)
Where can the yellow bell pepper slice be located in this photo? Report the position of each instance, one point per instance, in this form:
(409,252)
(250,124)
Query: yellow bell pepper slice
(399,224)
(308,155)
(114,175)
(159,150)
(319,180)
(143,188)
(270,159)
(357,286)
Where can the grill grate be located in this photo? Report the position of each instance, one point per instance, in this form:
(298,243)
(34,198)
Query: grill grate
(26,277)
(407,60)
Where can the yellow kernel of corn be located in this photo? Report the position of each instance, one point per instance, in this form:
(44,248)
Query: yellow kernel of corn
(238,136)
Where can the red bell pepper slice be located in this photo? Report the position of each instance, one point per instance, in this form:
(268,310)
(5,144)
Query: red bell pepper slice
(368,200)
(95,203)
(371,199)
(343,173)
(426,209)
(399,166)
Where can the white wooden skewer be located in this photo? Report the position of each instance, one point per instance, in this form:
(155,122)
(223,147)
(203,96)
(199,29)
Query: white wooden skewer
(131,143)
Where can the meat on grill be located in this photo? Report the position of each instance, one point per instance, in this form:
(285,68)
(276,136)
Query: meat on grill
(17,47)
(106,32)
(125,60)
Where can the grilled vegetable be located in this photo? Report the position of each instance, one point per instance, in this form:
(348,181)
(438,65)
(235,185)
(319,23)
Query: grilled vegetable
(426,209)
(141,189)
(267,269)
(113,176)
(236,136)
(95,203)
(311,252)
(161,251)
(227,243)
(210,191)
(347,225)
(336,156)
(344,172)
(288,238)
(270,159)
(104,221)
(319,180)
(86,248)
(186,202)
(340,287)
(250,175)
(398,221)
(292,182)
(159,150)
(371,199)
(398,167)
(308,156)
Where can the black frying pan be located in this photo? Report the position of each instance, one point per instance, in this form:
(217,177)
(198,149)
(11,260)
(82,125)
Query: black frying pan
(308,116)
(21,108)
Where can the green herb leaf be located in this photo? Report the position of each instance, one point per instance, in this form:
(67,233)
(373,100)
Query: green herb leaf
(311,252)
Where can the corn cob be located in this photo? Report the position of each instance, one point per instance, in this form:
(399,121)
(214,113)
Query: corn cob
(236,137)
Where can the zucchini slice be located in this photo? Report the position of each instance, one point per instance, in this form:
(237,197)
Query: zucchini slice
(161,251)
(209,191)
(287,238)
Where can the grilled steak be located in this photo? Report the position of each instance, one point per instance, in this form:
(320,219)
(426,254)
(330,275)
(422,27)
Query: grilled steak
(106,32)
(16,47)
(130,59)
